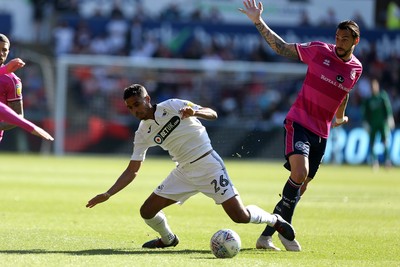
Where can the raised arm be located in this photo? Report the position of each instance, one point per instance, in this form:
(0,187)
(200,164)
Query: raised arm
(12,66)
(277,44)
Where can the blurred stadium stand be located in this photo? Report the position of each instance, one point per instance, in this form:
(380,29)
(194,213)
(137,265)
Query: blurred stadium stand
(208,31)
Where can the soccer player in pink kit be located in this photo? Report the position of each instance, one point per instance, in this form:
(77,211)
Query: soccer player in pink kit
(332,72)
(9,116)
(10,84)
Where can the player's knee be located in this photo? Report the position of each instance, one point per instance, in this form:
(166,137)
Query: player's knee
(299,175)
(144,212)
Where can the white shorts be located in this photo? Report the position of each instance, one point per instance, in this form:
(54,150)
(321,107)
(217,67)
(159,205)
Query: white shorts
(207,175)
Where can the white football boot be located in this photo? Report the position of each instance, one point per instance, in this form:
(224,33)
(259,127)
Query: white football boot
(265,242)
(290,245)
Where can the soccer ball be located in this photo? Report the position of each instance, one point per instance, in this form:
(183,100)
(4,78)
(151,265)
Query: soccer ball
(225,243)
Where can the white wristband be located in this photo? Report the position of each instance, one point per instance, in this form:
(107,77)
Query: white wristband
(339,120)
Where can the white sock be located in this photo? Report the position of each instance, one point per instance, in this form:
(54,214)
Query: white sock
(160,225)
(258,215)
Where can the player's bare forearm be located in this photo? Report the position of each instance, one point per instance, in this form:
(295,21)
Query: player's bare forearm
(342,108)
(203,113)
(124,179)
(340,117)
(276,42)
(120,184)
(206,113)
(253,11)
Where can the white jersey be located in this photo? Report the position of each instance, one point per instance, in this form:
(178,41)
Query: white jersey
(185,140)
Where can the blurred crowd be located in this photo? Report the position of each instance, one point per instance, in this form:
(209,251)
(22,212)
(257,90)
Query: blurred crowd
(123,35)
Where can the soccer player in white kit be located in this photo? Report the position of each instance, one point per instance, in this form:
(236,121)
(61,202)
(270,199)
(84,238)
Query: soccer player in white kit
(332,72)
(174,126)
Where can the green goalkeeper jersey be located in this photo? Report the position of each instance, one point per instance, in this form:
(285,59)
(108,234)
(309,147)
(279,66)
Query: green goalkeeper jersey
(377,109)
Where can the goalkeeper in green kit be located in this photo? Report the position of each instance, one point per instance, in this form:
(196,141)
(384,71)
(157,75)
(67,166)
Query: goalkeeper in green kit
(378,116)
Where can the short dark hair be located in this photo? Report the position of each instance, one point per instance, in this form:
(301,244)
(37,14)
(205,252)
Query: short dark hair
(4,38)
(351,26)
(135,90)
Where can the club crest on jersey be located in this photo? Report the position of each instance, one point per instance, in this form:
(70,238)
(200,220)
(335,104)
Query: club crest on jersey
(340,79)
(18,89)
(167,130)
(353,74)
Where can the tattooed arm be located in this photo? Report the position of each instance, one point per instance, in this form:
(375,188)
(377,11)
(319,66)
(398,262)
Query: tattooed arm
(274,41)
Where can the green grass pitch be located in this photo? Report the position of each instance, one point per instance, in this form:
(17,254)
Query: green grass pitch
(348,217)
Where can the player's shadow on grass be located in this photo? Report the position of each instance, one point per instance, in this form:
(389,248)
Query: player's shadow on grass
(91,252)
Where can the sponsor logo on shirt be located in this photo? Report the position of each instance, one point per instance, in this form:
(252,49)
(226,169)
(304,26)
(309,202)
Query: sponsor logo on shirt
(327,62)
(340,78)
(337,83)
(167,130)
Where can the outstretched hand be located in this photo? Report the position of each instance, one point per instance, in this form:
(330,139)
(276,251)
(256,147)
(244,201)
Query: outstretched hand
(97,199)
(186,112)
(252,10)
(14,64)
(42,133)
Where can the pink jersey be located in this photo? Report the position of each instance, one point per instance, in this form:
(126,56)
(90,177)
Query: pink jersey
(10,90)
(328,80)
(3,70)
(8,115)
